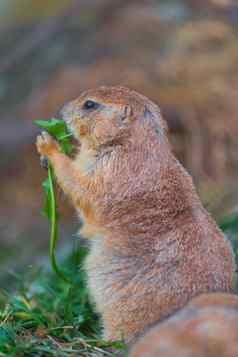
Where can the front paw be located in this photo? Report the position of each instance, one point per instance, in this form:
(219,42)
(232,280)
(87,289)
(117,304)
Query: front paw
(46,145)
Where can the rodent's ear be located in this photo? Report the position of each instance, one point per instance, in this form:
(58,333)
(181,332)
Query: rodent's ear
(156,119)
(149,117)
(127,113)
(147,114)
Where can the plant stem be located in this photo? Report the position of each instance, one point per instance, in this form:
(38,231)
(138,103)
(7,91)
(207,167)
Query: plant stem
(53,228)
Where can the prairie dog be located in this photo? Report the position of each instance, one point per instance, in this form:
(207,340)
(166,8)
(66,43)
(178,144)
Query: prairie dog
(153,245)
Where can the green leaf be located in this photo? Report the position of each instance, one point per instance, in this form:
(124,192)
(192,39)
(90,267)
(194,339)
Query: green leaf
(57,128)
(65,146)
(54,126)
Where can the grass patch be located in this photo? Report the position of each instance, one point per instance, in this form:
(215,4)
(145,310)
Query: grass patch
(48,317)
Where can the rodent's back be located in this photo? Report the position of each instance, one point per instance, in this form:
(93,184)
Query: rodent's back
(207,327)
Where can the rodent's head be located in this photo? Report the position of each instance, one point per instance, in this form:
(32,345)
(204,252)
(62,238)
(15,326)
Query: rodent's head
(106,116)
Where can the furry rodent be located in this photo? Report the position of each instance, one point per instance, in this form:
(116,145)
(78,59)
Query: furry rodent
(153,245)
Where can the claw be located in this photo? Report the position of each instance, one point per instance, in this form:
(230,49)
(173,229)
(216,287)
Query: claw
(46,145)
(44,162)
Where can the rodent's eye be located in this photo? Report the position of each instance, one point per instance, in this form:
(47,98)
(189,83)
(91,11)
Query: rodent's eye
(90,104)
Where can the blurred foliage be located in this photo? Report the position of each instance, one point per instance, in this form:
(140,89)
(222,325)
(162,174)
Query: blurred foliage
(230,224)
(29,10)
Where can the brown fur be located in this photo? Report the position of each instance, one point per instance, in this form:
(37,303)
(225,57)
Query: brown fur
(153,245)
(206,327)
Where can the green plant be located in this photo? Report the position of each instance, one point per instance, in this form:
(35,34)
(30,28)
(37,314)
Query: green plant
(58,130)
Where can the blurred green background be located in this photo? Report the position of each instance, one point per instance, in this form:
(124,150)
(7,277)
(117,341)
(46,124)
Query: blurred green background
(182,54)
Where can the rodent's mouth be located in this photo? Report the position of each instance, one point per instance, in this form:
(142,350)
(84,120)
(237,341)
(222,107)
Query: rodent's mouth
(75,141)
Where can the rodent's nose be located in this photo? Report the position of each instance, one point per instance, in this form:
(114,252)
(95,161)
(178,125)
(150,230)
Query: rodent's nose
(59,114)
(64,112)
